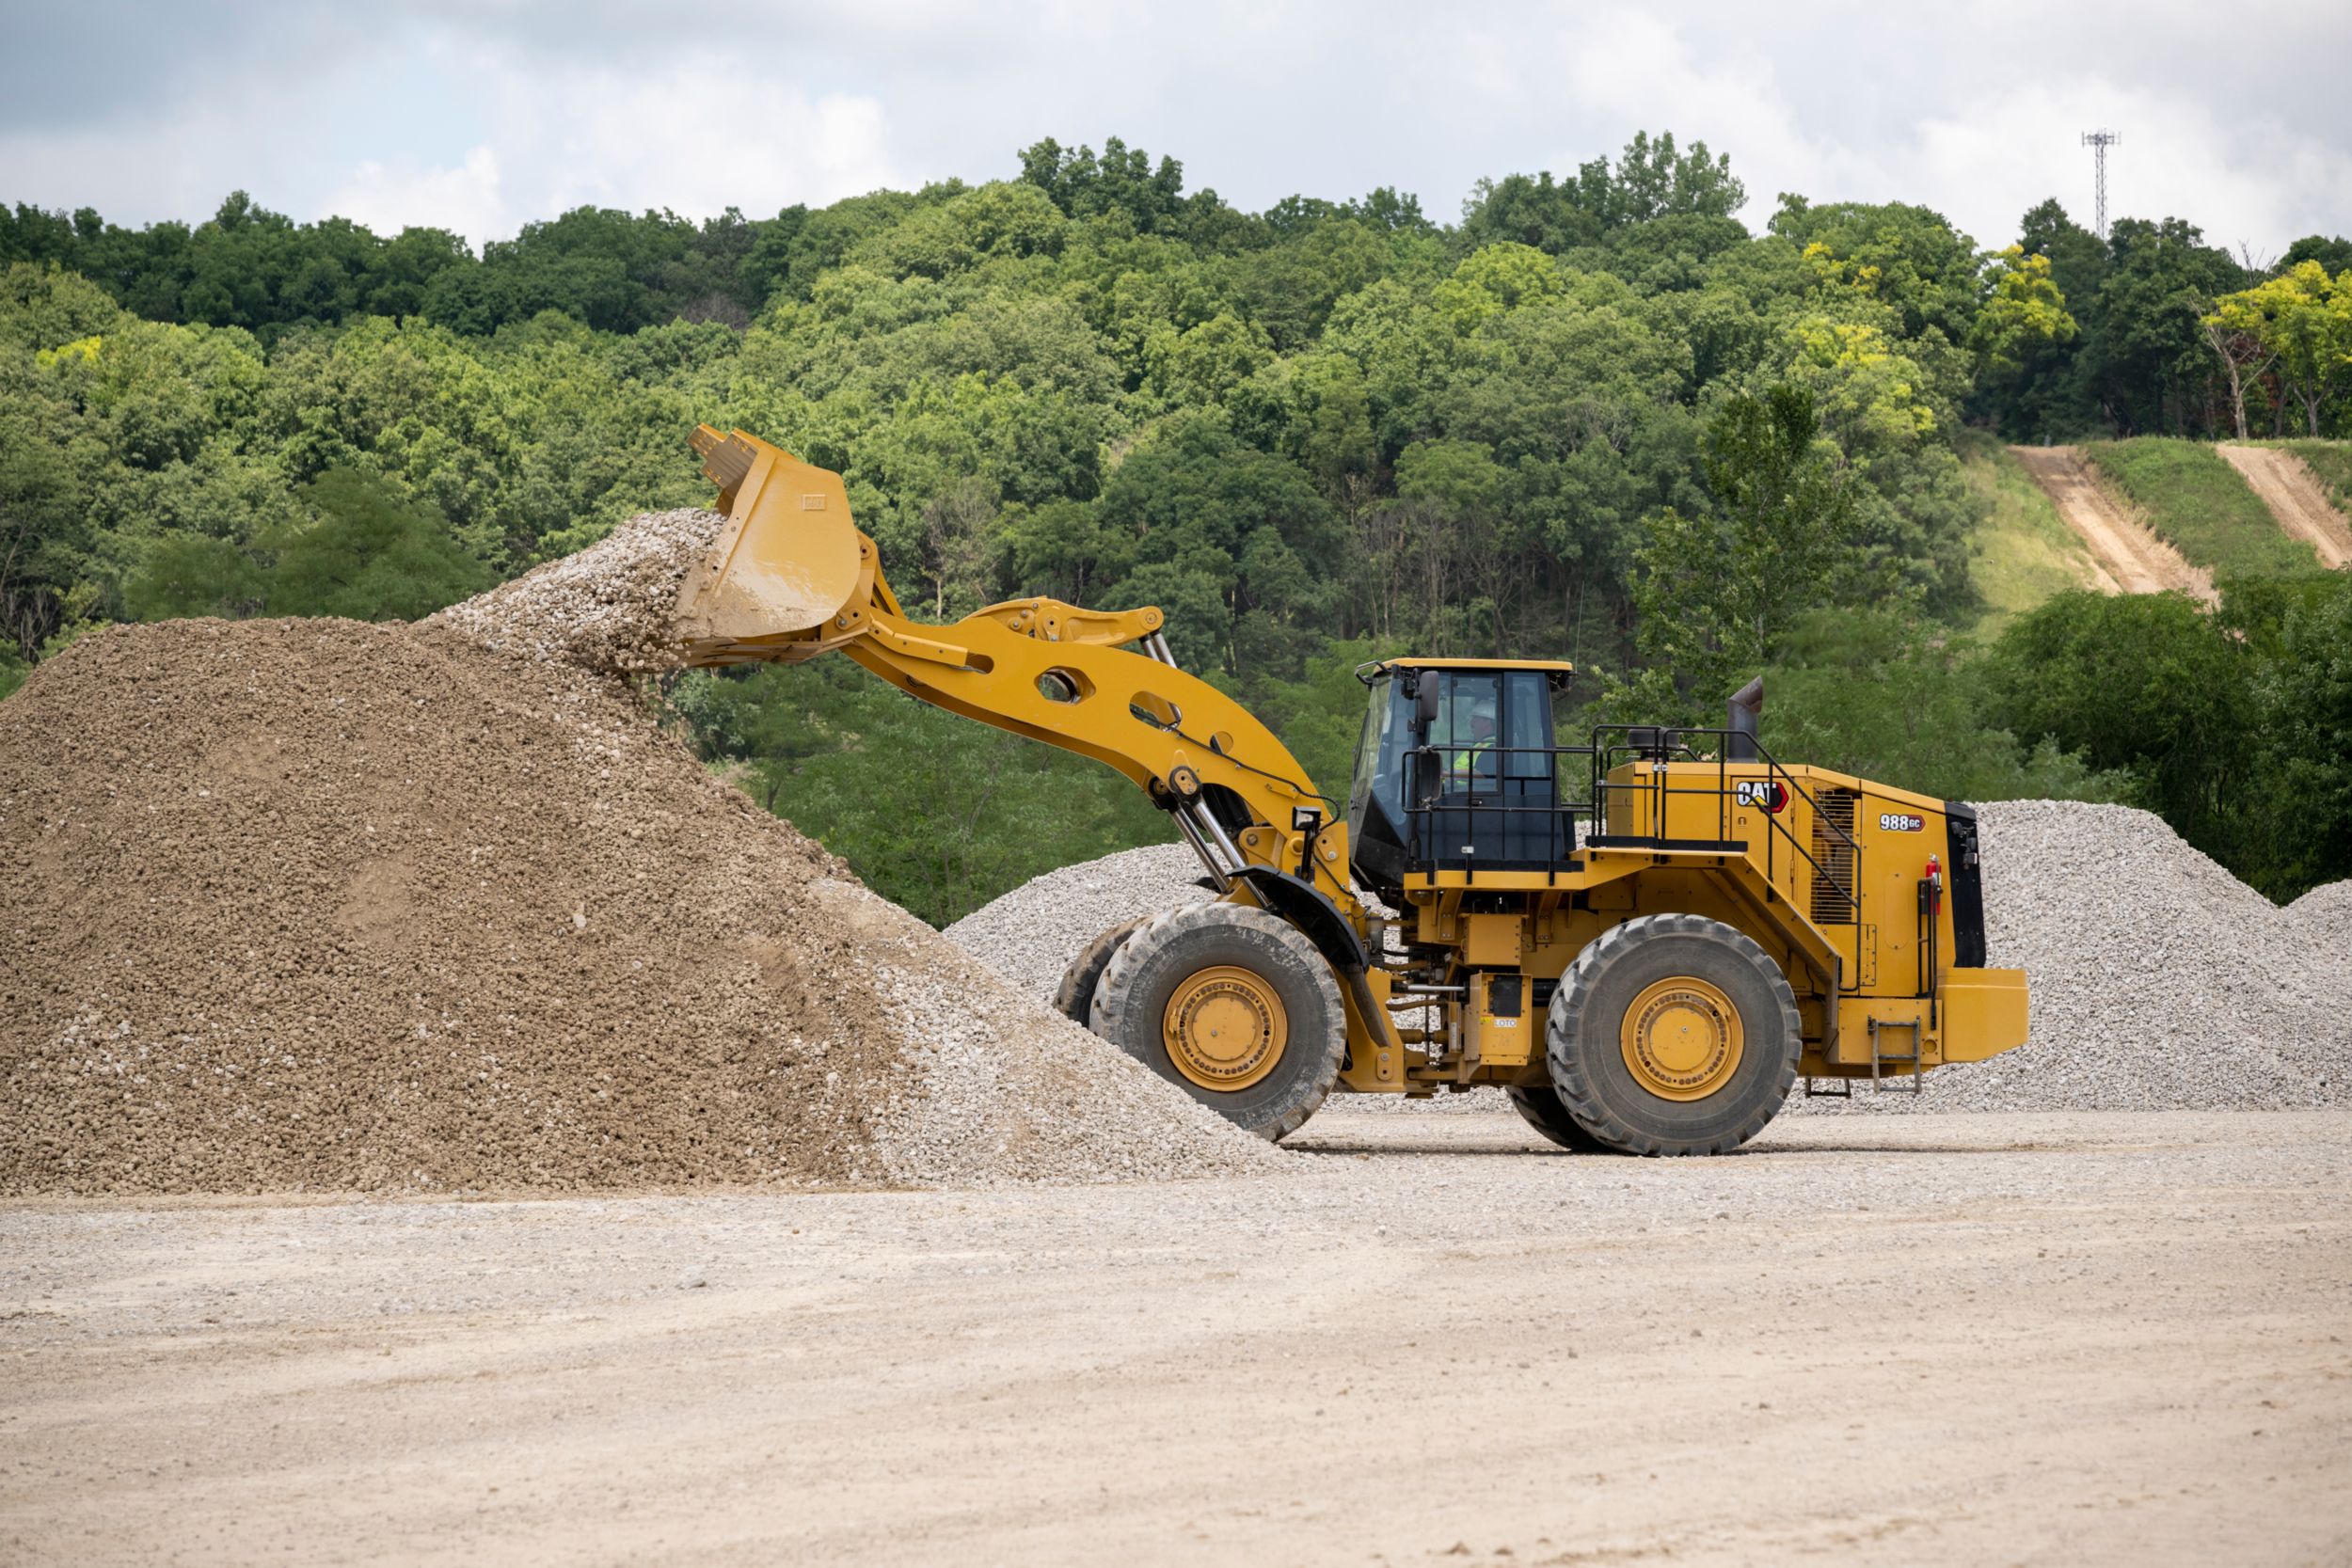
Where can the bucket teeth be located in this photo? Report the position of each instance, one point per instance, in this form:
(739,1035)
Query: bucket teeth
(725,458)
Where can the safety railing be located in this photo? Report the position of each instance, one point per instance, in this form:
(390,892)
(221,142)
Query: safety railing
(1473,807)
(1768,797)
(1479,807)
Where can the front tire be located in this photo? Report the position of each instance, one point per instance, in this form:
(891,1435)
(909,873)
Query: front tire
(1231,1005)
(1074,998)
(1672,1034)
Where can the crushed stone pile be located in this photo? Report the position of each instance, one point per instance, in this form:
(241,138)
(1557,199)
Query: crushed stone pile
(1031,934)
(2159,980)
(608,606)
(2326,911)
(318,905)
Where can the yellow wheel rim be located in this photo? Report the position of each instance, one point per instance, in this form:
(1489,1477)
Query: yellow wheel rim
(1681,1038)
(1225,1028)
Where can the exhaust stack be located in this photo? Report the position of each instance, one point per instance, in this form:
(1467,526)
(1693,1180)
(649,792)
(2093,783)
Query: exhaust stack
(1742,715)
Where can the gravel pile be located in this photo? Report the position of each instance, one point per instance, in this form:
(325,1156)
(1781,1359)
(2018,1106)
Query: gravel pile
(1030,935)
(608,606)
(317,905)
(2160,982)
(2327,911)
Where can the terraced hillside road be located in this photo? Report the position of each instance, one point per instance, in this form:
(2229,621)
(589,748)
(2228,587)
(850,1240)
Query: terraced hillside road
(2132,556)
(2295,497)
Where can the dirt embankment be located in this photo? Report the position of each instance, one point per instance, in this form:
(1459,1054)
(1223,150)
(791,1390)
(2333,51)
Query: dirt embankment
(2295,497)
(2126,551)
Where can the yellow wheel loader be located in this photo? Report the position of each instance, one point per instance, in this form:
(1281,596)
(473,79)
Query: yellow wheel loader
(1644,939)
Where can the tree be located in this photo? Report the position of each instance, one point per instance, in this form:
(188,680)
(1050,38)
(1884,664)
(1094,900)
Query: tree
(2023,316)
(2306,694)
(2301,320)
(2146,363)
(2144,683)
(366,553)
(962,544)
(2243,334)
(1650,181)
(1121,181)
(1717,590)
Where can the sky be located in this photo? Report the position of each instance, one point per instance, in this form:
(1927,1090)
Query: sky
(482,114)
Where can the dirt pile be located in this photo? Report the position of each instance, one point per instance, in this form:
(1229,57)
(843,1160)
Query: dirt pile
(320,905)
(2160,981)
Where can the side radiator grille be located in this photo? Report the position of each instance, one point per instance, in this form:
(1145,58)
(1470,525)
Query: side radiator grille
(1834,853)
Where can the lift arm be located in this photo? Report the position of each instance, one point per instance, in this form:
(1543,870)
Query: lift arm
(792,577)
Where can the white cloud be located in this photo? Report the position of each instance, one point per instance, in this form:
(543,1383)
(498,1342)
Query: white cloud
(696,138)
(611,138)
(466,199)
(481,119)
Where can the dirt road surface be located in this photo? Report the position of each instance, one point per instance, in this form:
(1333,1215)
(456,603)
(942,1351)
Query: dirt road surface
(2295,497)
(2134,558)
(1931,1339)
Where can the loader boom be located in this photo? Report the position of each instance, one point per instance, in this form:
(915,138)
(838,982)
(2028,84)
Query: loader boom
(792,578)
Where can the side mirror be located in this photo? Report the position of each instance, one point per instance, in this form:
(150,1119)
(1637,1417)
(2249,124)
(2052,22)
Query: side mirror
(1426,706)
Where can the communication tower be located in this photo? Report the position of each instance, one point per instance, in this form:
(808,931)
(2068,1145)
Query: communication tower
(2099,141)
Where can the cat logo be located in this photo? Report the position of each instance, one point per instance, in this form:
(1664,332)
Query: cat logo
(1769,793)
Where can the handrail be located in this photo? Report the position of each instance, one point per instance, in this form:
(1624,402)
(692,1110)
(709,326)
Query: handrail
(1669,741)
(1489,797)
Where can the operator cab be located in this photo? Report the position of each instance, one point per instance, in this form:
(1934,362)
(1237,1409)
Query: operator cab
(1457,770)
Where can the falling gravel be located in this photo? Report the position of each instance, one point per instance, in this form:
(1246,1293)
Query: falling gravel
(2159,981)
(324,906)
(606,608)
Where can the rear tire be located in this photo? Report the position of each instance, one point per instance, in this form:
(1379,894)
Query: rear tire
(1541,1109)
(1074,998)
(1672,1034)
(1217,994)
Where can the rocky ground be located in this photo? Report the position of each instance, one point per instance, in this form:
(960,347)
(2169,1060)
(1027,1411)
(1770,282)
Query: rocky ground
(2114,1338)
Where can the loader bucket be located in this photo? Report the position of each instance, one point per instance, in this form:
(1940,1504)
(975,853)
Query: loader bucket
(786,561)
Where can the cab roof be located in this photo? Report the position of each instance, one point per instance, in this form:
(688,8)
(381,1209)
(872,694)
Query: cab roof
(1560,665)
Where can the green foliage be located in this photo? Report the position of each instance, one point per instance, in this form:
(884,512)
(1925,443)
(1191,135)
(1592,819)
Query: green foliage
(2231,724)
(1719,591)
(2024,318)
(1596,419)
(936,813)
(367,554)
(2331,463)
(1881,695)
(2201,505)
(2150,686)
(2305,691)
(1650,181)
